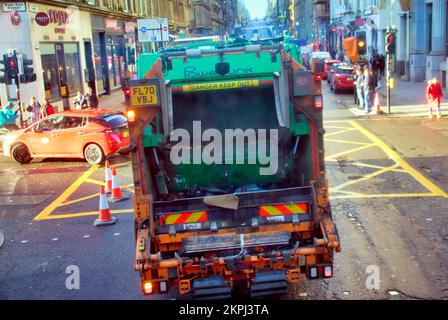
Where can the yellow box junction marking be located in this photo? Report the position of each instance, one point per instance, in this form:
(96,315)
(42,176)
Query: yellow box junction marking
(60,201)
(400,166)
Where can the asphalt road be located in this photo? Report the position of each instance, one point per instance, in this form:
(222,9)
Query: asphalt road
(389,185)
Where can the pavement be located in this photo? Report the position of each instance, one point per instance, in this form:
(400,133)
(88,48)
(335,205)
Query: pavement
(114,101)
(408,99)
(389,192)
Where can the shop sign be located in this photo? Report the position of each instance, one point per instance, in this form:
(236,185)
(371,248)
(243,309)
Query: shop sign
(15,18)
(58,16)
(33,7)
(111,24)
(359,22)
(42,19)
(14,6)
(59,30)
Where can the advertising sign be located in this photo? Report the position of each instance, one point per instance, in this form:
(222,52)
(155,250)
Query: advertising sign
(153,30)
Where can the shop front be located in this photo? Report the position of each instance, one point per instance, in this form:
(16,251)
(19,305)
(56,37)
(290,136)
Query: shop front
(112,39)
(59,44)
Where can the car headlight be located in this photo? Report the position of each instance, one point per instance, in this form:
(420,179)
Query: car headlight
(9,138)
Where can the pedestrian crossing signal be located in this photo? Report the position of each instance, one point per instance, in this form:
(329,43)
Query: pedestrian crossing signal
(390,43)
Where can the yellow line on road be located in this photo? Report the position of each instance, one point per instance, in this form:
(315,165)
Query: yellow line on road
(67,193)
(428,184)
(348,142)
(129,186)
(339,132)
(94,181)
(82,214)
(337,127)
(362,164)
(349,151)
(365,178)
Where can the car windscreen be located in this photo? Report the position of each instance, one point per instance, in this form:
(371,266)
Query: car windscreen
(112,120)
(345,71)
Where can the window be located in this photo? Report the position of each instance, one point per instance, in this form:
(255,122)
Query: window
(91,2)
(124,5)
(61,69)
(72,122)
(51,123)
(73,72)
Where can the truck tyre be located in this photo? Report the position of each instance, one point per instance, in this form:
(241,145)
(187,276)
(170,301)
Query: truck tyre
(21,154)
(94,154)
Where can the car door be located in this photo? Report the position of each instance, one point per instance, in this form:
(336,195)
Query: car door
(72,135)
(45,138)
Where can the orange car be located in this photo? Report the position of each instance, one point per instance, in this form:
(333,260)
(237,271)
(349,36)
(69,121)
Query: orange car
(90,134)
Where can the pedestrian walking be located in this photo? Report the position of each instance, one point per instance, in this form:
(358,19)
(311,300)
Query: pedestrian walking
(91,99)
(8,117)
(35,108)
(359,88)
(434,94)
(368,88)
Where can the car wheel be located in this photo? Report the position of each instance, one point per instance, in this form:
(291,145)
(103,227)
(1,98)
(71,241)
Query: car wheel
(21,154)
(94,154)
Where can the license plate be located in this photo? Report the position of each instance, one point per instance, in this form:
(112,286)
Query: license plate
(144,96)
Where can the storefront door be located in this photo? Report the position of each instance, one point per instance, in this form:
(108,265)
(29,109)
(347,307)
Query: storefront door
(61,71)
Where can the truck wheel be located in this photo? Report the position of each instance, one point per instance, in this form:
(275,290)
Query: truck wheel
(21,154)
(94,154)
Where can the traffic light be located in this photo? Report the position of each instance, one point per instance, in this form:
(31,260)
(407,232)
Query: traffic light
(12,67)
(3,75)
(391,41)
(28,74)
(361,43)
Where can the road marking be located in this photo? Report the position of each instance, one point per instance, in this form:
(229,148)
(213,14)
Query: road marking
(364,178)
(428,184)
(66,194)
(348,142)
(339,132)
(350,151)
(94,181)
(337,127)
(84,214)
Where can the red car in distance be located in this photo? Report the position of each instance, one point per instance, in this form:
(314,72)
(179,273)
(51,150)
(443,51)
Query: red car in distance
(328,64)
(342,78)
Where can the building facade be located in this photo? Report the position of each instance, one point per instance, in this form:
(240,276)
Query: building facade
(304,16)
(80,43)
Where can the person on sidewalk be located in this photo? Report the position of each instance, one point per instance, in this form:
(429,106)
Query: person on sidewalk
(91,99)
(434,94)
(9,116)
(358,88)
(368,87)
(48,108)
(80,101)
(35,108)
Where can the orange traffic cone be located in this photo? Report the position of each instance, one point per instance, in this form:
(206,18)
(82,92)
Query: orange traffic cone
(104,217)
(116,194)
(377,104)
(108,174)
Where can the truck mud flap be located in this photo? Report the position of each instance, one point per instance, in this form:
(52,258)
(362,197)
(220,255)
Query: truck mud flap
(213,288)
(269,283)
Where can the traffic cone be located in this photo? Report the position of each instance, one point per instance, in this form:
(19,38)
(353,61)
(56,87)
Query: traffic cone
(377,103)
(108,177)
(116,194)
(104,216)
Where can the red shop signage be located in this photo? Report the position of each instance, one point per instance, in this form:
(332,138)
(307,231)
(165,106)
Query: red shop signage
(42,19)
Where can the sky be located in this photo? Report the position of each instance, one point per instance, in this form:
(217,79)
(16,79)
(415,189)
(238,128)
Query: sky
(257,8)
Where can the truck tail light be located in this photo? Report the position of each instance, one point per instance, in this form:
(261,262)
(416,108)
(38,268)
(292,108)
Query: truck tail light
(130,114)
(147,287)
(318,102)
(163,286)
(318,77)
(328,271)
(127,92)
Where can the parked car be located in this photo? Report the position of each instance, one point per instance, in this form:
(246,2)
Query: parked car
(90,134)
(342,78)
(328,64)
(332,71)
